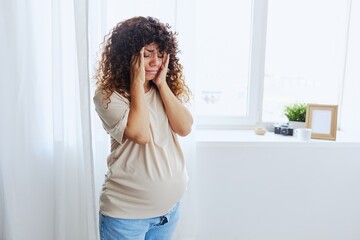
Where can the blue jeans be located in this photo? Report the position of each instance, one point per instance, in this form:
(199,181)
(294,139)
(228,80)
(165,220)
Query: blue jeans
(157,228)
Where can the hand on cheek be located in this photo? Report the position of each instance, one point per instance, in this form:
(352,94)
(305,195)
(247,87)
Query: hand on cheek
(160,77)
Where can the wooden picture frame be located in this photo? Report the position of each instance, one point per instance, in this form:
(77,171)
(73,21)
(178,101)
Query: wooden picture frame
(322,119)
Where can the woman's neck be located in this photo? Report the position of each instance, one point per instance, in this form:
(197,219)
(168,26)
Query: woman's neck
(147,86)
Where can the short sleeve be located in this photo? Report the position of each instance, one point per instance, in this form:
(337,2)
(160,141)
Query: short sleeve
(113,113)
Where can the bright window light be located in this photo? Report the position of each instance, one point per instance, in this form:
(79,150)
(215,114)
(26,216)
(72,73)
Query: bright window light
(223,45)
(305,53)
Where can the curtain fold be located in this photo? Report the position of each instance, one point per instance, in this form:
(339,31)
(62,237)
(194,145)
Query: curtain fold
(82,13)
(46,164)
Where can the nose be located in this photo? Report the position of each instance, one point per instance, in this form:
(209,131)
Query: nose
(155,60)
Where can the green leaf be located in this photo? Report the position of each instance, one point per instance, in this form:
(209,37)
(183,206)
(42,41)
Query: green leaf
(296,112)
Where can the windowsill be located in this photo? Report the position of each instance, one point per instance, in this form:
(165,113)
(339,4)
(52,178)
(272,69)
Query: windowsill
(204,136)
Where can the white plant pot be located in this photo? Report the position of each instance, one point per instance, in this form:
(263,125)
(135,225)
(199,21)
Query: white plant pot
(296,125)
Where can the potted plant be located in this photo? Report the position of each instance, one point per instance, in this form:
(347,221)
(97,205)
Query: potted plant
(296,114)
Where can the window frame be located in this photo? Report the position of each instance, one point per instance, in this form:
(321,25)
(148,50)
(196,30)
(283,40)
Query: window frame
(255,75)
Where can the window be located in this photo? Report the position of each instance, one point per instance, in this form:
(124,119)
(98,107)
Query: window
(223,35)
(305,54)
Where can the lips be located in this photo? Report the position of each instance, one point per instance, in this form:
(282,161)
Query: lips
(151,71)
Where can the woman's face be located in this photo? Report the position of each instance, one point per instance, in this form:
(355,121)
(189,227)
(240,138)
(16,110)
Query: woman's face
(153,59)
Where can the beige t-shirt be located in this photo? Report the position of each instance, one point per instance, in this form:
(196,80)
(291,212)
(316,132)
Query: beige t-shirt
(142,181)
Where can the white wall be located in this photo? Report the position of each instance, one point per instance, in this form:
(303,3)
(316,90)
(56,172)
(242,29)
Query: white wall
(280,191)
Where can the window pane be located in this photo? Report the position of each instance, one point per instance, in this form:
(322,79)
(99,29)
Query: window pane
(223,44)
(305,52)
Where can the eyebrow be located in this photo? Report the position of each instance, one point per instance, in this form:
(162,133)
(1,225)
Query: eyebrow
(149,50)
(153,50)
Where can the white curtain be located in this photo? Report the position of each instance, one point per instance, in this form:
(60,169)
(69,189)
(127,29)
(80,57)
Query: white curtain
(46,164)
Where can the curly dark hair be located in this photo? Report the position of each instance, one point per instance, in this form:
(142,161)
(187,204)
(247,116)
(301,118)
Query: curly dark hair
(126,39)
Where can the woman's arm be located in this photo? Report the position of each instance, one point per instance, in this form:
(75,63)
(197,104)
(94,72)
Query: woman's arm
(138,125)
(179,116)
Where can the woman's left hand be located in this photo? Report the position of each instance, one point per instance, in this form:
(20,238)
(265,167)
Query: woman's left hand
(160,77)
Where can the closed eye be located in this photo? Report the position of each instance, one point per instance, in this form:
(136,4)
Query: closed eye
(150,52)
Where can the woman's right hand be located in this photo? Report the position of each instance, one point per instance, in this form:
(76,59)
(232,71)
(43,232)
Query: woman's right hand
(137,71)
(138,124)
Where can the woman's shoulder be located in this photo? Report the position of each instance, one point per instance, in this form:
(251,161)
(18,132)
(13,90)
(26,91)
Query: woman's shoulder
(103,98)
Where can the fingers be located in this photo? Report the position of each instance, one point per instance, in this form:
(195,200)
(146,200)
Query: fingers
(166,60)
(142,56)
(137,71)
(160,77)
(138,59)
(164,65)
